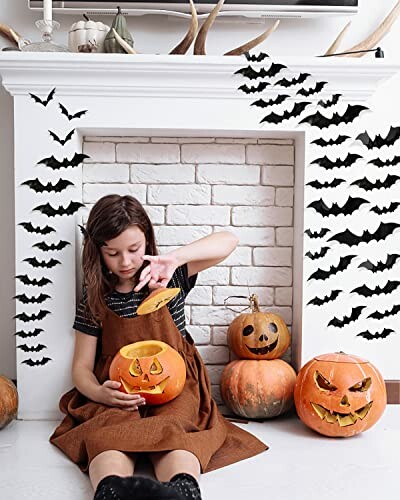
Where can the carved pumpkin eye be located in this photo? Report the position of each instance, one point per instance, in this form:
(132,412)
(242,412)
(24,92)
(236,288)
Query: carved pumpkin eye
(323,383)
(156,368)
(248,330)
(135,369)
(361,386)
(272,327)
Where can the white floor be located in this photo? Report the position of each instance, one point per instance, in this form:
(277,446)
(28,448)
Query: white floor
(299,465)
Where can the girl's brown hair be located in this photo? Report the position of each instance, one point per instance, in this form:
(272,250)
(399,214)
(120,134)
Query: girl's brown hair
(109,217)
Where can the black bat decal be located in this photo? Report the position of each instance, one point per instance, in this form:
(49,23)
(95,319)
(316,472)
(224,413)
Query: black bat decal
(297,109)
(38,187)
(48,210)
(32,317)
(378,335)
(32,300)
(271,102)
(316,301)
(386,210)
(321,121)
(351,205)
(294,81)
(41,263)
(70,117)
(387,163)
(45,247)
(331,142)
(330,102)
(253,89)
(38,362)
(381,266)
(34,348)
(36,229)
(354,315)
(320,274)
(252,74)
(53,163)
(317,234)
(365,291)
(313,90)
(379,141)
(351,239)
(321,185)
(392,312)
(317,255)
(26,280)
(256,58)
(328,164)
(46,101)
(26,335)
(378,184)
(67,138)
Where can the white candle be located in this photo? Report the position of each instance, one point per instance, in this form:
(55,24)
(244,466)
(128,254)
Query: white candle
(47,12)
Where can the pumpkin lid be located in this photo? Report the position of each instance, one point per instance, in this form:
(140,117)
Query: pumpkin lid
(157,299)
(340,357)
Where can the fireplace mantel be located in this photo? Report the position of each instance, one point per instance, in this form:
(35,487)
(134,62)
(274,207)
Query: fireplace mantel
(178,76)
(161,96)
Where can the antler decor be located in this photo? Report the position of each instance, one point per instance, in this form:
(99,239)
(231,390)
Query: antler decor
(9,33)
(184,45)
(371,41)
(199,45)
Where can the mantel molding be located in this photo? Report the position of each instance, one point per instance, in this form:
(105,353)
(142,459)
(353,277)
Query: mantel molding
(177,76)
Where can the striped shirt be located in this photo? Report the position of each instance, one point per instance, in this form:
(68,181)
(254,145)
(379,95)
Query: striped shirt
(126,304)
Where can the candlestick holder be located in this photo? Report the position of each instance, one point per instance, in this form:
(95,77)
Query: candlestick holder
(46,45)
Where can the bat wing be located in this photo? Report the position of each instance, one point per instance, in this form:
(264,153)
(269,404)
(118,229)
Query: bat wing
(69,136)
(24,335)
(351,113)
(317,120)
(248,72)
(370,336)
(354,315)
(50,96)
(78,159)
(256,58)
(327,298)
(274,69)
(311,91)
(84,111)
(64,111)
(330,102)
(36,98)
(55,136)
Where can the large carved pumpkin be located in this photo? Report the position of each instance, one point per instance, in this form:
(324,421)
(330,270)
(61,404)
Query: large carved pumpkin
(8,401)
(339,394)
(156,299)
(258,335)
(150,368)
(258,389)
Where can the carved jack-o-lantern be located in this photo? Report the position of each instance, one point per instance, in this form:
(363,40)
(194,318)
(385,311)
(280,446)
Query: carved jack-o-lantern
(258,335)
(339,394)
(150,368)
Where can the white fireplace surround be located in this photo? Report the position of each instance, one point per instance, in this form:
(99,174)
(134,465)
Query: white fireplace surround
(166,96)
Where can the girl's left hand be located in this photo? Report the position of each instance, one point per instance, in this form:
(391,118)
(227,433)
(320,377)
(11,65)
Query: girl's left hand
(158,273)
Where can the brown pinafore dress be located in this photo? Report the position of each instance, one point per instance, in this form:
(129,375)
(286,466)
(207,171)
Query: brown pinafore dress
(190,422)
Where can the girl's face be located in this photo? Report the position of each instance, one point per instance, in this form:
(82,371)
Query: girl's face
(123,255)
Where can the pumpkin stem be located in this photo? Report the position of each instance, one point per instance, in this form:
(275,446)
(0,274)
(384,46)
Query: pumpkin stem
(118,10)
(86,17)
(254,304)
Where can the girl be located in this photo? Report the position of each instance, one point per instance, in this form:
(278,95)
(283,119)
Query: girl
(105,430)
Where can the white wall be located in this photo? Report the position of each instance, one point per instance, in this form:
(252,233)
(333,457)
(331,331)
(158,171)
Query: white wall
(153,35)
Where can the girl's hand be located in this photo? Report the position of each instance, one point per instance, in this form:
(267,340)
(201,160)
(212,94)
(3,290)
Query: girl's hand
(111,396)
(158,273)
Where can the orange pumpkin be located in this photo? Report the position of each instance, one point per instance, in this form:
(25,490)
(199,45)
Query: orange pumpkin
(156,299)
(8,401)
(150,368)
(258,389)
(258,335)
(339,394)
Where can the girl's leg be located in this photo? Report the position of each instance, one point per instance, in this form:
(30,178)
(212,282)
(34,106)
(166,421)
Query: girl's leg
(111,462)
(168,464)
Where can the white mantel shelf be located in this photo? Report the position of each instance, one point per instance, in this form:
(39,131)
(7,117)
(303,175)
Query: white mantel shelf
(176,75)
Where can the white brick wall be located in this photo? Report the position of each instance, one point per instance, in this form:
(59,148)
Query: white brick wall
(191,187)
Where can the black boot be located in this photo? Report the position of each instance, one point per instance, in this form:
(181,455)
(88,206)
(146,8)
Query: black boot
(113,488)
(186,485)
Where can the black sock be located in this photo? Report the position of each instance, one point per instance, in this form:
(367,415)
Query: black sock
(186,485)
(111,488)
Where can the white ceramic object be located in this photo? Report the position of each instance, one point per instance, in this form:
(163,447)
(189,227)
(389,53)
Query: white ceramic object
(83,32)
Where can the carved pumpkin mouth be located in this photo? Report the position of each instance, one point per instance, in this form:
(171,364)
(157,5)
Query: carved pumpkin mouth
(152,389)
(343,419)
(263,350)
